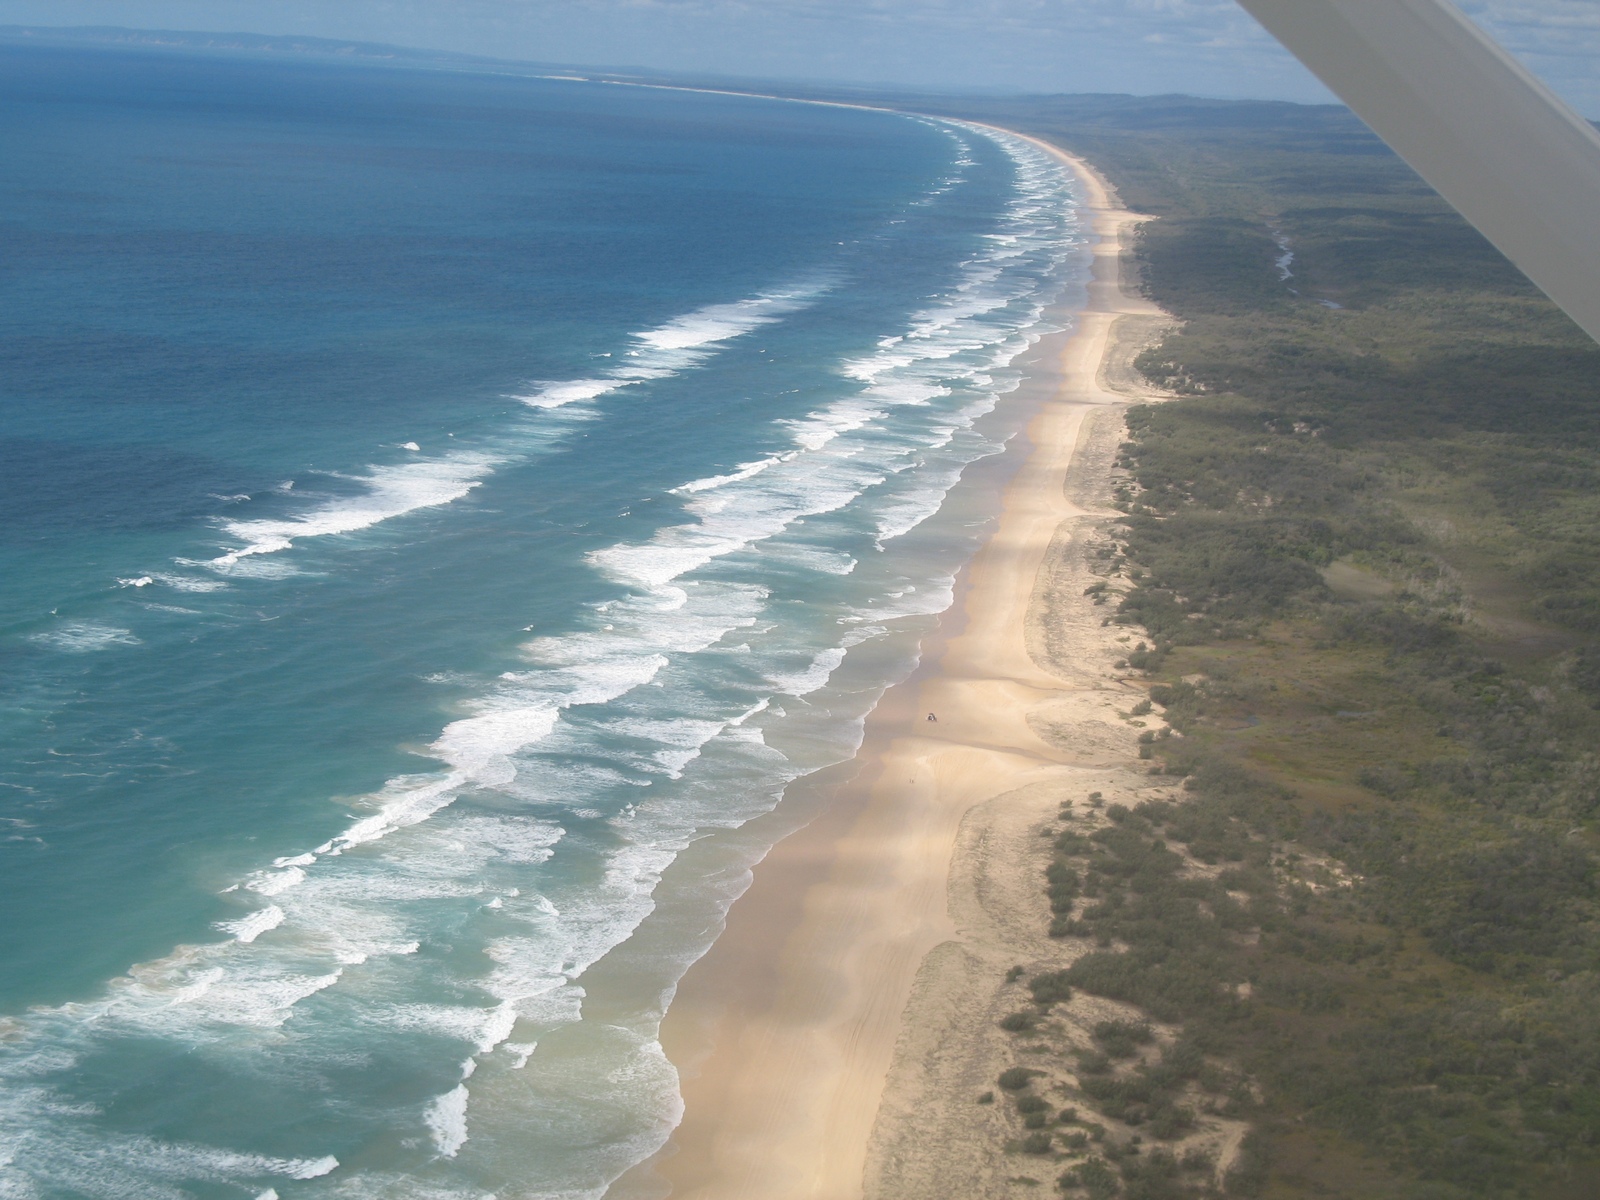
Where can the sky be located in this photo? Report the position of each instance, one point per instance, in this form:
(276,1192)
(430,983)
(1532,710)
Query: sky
(1203,47)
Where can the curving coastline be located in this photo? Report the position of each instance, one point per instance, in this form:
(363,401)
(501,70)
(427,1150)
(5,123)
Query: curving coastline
(786,1032)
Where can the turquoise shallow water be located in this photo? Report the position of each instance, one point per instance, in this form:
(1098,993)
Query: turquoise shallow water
(430,503)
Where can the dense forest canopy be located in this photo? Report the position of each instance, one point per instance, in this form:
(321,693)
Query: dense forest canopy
(1362,549)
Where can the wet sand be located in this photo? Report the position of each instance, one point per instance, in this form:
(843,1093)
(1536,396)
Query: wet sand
(785,1032)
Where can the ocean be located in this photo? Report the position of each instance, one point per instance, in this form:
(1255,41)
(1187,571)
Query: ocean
(438,511)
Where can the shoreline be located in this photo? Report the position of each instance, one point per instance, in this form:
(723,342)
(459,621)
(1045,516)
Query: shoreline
(785,1033)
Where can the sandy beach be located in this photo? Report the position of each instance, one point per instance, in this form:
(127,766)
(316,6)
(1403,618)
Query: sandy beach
(831,1041)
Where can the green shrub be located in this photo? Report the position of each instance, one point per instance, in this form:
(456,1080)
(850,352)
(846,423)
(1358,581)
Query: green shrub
(1154,1176)
(1248,1175)
(1050,988)
(1171,1121)
(1094,1177)
(1427,1012)
(1063,887)
(1196,1159)
(1093,1062)
(1122,1039)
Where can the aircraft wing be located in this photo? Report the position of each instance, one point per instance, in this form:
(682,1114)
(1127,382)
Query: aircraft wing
(1491,139)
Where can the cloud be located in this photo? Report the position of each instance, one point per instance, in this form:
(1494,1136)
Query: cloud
(1211,47)
(1050,45)
(1194,20)
(1559,39)
(1559,29)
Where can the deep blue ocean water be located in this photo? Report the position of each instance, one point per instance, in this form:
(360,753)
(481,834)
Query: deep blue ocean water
(429,503)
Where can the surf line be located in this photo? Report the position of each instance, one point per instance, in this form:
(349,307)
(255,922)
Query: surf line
(785,1031)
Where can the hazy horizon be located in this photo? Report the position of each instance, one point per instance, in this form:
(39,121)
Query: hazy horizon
(1144,47)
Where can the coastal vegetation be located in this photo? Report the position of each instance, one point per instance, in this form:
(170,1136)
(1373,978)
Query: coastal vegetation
(1360,567)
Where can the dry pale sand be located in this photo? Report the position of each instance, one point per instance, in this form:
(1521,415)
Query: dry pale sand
(831,1040)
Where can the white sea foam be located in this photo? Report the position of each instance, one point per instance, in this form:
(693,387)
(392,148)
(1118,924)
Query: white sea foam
(387,491)
(559,394)
(901,518)
(826,560)
(390,1185)
(929,600)
(238,993)
(814,677)
(497,1027)
(744,471)
(61,1158)
(246,567)
(718,323)
(765,497)
(648,699)
(83,637)
(271,883)
(248,928)
(683,342)
(446,1119)
(478,748)
(392,490)
(188,583)
(484,1028)
(756,709)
